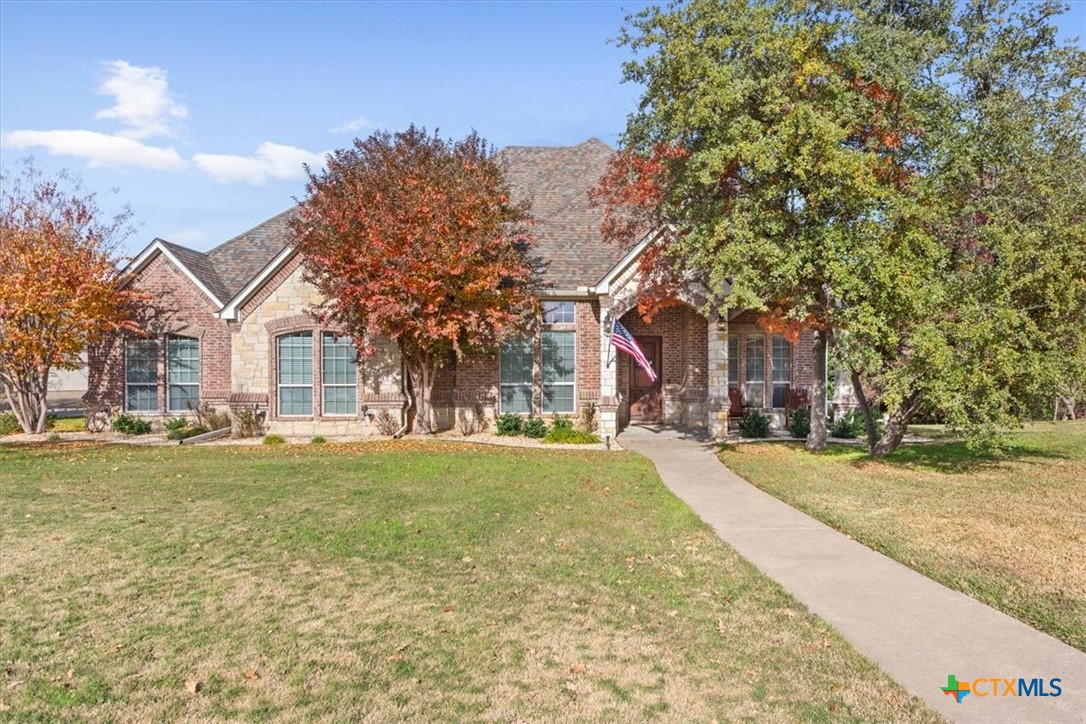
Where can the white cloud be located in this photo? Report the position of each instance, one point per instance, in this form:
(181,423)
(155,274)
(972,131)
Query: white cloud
(143,102)
(99,149)
(356,124)
(191,236)
(271,161)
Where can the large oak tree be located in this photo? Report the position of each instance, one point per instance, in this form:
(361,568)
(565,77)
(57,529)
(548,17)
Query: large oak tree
(415,238)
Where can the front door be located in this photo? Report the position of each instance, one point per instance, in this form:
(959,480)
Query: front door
(646,400)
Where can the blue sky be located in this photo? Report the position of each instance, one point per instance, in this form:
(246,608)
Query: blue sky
(200,114)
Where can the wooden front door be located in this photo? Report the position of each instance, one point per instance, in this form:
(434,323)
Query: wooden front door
(646,399)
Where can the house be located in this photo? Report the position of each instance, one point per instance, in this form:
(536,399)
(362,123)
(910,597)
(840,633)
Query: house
(230,327)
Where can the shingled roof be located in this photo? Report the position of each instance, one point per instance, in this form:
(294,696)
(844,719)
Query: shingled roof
(556,181)
(201,267)
(239,260)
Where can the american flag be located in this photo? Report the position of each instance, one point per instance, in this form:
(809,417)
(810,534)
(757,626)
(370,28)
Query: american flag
(623,340)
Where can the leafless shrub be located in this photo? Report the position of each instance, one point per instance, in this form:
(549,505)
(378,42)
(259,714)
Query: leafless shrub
(471,421)
(385,424)
(586,419)
(248,423)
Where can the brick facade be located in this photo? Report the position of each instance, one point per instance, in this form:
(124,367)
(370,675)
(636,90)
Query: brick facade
(177,307)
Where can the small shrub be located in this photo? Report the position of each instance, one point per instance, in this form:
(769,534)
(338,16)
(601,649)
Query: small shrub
(209,417)
(184,433)
(800,423)
(471,422)
(9,425)
(755,424)
(509,423)
(561,422)
(130,425)
(175,423)
(55,437)
(274,440)
(385,424)
(586,420)
(533,427)
(849,425)
(248,423)
(50,422)
(318,440)
(570,436)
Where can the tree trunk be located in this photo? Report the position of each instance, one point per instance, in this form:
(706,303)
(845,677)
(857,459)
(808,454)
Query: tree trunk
(896,425)
(422,366)
(26,395)
(865,409)
(816,438)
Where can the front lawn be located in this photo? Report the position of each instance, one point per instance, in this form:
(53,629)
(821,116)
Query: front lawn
(1008,531)
(390,581)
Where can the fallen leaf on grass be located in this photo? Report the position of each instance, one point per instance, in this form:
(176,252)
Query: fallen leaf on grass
(192,686)
(253,674)
(578,668)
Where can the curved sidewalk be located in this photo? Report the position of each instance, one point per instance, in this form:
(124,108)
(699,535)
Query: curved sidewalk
(917,630)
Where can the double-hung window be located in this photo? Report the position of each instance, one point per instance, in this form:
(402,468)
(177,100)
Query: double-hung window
(182,373)
(755,371)
(558,371)
(141,375)
(515,364)
(782,370)
(339,375)
(295,374)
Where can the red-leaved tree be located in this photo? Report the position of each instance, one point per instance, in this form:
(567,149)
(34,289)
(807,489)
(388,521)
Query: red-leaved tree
(59,286)
(415,238)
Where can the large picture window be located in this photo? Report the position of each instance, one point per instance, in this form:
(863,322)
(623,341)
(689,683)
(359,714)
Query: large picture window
(182,373)
(515,364)
(141,375)
(782,370)
(558,371)
(339,375)
(295,373)
(755,371)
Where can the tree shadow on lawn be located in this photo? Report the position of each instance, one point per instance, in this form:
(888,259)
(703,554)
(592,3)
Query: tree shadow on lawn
(951,458)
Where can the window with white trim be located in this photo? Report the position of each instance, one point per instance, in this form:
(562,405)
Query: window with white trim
(339,375)
(782,370)
(733,361)
(558,313)
(182,373)
(515,366)
(754,391)
(294,356)
(141,375)
(559,359)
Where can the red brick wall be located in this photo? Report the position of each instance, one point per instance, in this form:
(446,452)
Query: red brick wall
(177,307)
(587,317)
(685,338)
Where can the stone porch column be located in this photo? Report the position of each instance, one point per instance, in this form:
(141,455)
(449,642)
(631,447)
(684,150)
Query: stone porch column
(608,402)
(717,402)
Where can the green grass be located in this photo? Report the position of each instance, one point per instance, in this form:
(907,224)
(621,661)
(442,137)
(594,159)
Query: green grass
(1008,530)
(392,581)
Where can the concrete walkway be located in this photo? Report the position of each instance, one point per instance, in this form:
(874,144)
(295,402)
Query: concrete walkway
(915,629)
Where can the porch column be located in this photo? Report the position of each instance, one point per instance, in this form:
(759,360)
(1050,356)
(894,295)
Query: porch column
(717,402)
(608,402)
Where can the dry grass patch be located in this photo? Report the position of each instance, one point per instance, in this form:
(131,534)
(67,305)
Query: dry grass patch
(1009,530)
(394,581)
